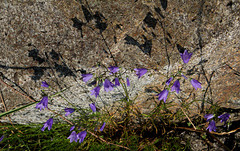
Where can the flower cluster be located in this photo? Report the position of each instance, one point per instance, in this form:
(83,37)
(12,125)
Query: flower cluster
(212,125)
(108,85)
(75,137)
(176,85)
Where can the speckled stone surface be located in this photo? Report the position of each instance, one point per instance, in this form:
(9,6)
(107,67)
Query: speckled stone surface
(56,41)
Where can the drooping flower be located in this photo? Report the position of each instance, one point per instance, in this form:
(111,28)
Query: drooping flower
(212,126)
(128,82)
(93,107)
(45,84)
(87,77)
(163,95)
(47,124)
(196,84)
(169,80)
(208,116)
(224,117)
(43,103)
(102,127)
(186,56)
(1,138)
(108,86)
(184,76)
(68,111)
(73,137)
(140,72)
(113,69)
(176,86)
(117,82)
(95,91)
(81,136)
(72,128)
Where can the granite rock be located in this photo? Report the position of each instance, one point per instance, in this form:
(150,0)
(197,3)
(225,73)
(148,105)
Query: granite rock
(57,41)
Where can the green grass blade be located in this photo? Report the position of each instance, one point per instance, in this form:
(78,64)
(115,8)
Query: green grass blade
(17,109)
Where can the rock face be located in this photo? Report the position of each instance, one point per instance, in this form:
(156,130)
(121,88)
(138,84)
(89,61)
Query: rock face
(57,41)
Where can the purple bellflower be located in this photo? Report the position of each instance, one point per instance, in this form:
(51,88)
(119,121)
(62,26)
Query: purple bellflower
(68,111)
(95,91)
(196,84)
(163,95)
(44,84)
(169,80)
(140,72)
(81,136)
(208,116)
(108,86)
(43,103)
(73,137)
(117,82)
(128,82)
(47,124)
(212,126)
(224,117)
(102,127)
(113,69)
(72,128)
(86,77)
(1,138)
(176,86)
(186,56)
(93,107)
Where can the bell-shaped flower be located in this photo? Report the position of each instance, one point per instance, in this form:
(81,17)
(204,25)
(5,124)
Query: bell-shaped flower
(47,124)
(72,128)
(102,127)
(224,117)
(208,116)
(81,136)
(117,83)
(43,103)
(95,91)
(1,138)
(176,86)
(186,56)
(128,82)
(212,126)
(73,137)
(108,86)
(93,107)
(140,72)
(113,69)
(163,95)
(169,80)
(68,111)
(87,77)
(196,84)
(44,84)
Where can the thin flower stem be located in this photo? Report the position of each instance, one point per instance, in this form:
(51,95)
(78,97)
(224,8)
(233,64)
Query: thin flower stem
(215,133)
(188,118)
(17,91)
(61,116)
